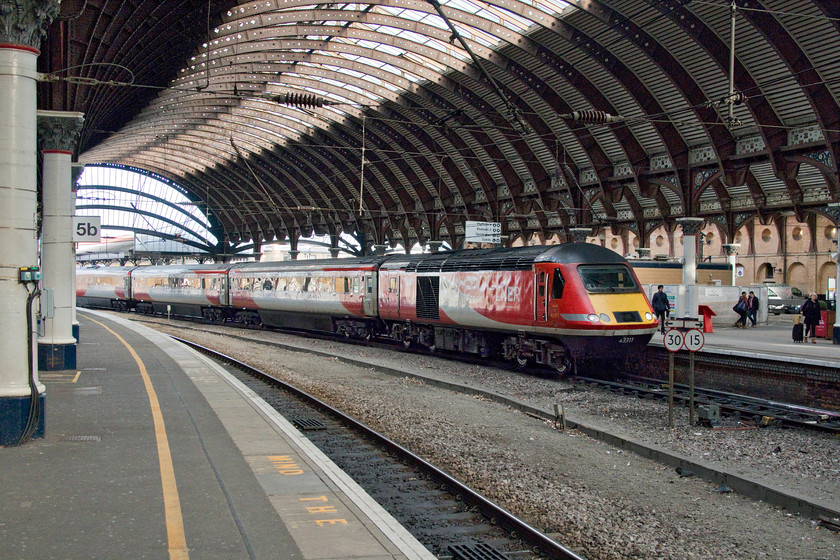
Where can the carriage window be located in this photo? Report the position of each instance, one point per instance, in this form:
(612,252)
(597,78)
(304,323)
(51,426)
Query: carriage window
(607,278)
(557,284)
(541,284)
(392,286)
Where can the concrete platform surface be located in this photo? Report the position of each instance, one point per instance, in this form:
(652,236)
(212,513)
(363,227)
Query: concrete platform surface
(154,451)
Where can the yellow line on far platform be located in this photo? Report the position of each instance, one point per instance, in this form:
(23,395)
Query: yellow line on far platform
(171,501)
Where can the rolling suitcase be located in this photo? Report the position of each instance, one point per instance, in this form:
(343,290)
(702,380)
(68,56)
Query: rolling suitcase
(798,332)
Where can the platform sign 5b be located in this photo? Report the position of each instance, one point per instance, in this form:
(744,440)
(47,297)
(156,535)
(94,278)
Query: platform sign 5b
(86,228)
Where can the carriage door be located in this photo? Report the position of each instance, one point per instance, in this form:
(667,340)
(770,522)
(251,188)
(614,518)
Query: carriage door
(369,306)
(127,286)
(541,295)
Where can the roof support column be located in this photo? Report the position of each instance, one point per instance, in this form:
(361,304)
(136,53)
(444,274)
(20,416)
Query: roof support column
(58,132)
(21,394)
(690,228)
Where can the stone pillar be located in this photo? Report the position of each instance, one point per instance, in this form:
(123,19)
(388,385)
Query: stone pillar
(334,252)
(644,253)
(731,257)
(22,25)
(379,249)
(834,211)
(434,246)
(294,254)
(579,234)
(58,133)
(690,228)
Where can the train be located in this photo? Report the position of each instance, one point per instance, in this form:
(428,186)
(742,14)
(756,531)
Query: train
(559,306)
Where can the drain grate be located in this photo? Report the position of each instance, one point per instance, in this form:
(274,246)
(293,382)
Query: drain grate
(306,424)
(476,551)
(80,438)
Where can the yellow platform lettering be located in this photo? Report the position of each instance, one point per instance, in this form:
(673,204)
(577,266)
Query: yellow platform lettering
(285,465)
(322,509)
(322,522)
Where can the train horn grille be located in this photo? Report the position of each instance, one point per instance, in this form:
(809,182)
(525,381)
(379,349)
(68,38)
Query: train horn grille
(627,317)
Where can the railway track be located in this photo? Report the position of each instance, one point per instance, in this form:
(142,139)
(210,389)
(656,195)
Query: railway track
(449,518)
(743,485)
(733,406)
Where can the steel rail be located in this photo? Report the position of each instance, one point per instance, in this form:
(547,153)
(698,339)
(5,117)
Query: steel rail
(545,544)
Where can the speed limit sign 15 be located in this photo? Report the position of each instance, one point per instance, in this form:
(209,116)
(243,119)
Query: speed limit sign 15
(694,340)
(674,340)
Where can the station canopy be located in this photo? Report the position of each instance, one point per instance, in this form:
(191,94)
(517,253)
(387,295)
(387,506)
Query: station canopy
(398,121)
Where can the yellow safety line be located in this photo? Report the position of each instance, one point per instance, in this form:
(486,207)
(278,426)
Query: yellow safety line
(171,501)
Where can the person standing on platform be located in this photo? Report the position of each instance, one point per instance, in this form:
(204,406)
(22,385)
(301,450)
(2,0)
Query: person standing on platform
(741,309)
(752,308)
(660,305)
(811,311)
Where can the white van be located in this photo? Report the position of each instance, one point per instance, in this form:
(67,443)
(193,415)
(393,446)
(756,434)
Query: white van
(782,298)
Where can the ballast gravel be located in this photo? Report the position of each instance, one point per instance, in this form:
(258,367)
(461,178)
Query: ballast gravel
(600,501)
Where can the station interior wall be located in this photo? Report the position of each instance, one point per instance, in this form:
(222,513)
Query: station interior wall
(772,253)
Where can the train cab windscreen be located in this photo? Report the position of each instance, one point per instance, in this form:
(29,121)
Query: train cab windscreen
(607,279)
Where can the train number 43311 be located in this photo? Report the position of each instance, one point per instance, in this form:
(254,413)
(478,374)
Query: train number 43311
(626,339)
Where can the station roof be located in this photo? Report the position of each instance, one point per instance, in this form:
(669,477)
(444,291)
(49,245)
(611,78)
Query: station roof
(402,119)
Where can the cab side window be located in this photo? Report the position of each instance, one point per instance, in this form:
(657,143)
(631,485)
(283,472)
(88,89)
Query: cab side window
(557,284)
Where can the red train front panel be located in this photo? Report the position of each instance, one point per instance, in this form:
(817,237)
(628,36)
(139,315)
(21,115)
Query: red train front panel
(550,299)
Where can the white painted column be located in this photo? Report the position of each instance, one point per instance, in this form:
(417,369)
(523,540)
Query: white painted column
(731,256)
(21,393)
(690,228)
(58,132)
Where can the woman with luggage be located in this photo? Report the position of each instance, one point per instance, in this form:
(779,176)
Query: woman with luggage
(741,309)
(811,312)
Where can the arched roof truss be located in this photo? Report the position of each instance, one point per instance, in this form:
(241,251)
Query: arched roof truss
(374,118)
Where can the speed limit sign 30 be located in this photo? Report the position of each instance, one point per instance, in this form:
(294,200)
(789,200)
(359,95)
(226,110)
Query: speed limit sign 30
(674,340)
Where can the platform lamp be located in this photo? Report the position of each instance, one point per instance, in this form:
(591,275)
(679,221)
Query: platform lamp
(834,210)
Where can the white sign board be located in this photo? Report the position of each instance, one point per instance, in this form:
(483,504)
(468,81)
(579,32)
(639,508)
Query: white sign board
(86,228)
(483,232)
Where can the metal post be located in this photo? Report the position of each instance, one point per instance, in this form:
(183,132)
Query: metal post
(670,389)
(691,388)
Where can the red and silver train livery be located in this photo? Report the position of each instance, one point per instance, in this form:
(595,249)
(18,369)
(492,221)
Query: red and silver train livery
(553,305)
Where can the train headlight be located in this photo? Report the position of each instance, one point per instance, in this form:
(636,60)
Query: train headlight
(593,318)
(648,316)
(605,318)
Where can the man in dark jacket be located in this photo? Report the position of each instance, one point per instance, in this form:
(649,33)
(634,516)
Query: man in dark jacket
(660,305)
(752,308)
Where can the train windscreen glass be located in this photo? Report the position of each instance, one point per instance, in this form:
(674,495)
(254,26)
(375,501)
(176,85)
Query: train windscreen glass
(607,279)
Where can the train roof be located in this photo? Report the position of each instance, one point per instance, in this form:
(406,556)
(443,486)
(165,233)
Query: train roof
(503,258)
(315,264)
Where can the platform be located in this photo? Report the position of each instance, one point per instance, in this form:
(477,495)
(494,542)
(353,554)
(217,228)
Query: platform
(771,340)
(154,451)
